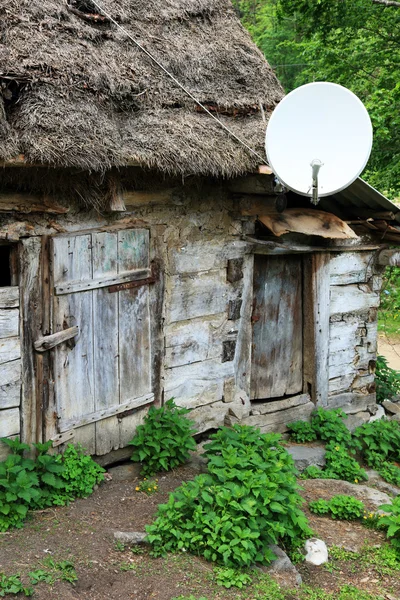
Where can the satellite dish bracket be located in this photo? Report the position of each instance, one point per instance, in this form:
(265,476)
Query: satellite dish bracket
(315,164)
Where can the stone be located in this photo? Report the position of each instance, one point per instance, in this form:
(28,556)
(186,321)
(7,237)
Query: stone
(130,537)
(125,472)
(391,407)
(380,484)
(198,462)
(240,406)
(317,552)
(379,414)
(306,456)
(282,569)
(354,421)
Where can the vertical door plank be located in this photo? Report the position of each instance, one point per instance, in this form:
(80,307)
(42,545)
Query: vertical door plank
(134,326)
(277,363)
(105,333)
(74,362)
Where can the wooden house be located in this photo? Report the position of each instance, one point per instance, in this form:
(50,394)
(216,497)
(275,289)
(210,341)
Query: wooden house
(145,253)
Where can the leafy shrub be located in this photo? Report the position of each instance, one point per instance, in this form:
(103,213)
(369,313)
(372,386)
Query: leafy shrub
(387,380)
(165,440)
(319,507)
(313,472)
(231,578)
(391,520)
(81,473)
(379,441)
(13,585)
(341,465)
(329,426)
(340,507)
(389,472)
(302,431)
(248,500)
(27,484)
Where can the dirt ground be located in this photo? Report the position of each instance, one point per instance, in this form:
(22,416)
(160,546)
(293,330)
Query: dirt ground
(83,534)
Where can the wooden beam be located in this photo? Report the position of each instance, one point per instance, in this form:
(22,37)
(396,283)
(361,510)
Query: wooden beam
(142,198)
(254,205)
(259,246)
(28,203)
(252,184)
(9,297)
(316,326)
(101,282)
(48,342)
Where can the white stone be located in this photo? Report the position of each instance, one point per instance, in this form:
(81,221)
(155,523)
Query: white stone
(317,552)
(380,413)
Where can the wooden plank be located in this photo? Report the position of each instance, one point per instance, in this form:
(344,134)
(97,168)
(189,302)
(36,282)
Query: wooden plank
(351,402)
(134,326)
(252,184)
(308,221)
(101,282)
(192,296)
(9,297)
(277,363)
(10,349)
(205,255)
(342,383)
(352,298)
(62,438)
(271,421)
(264,408)
(242,363)
(351,267)
(132,199)
(31,324)
(50,341)
(94,417)
(74,363)
(9,322)
(29,203)
(105,331)
(9,422)
(10,384)
(316,327)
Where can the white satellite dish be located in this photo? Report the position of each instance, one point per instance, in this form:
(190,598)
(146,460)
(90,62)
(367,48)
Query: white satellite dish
(319,139)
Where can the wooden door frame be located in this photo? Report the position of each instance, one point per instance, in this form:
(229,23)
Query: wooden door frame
(316,314)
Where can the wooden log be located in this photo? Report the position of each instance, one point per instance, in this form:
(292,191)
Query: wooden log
(133,199)
(282,417)
(351,267)
(264,408)
(10,349)
(389,257)
(50,341)
(9,322)
(261,205)
(10,384)
(27,203)
(9,297)
(204,294)
(351,402)
(252,184)
(9,422)
(352,298)
(316,327)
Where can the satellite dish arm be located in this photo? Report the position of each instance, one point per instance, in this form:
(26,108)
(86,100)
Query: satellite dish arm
(315,164)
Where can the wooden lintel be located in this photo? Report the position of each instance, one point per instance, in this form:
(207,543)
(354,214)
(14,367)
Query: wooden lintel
(48,342)
(28,203)
(142,198)
(254,205)
(258,246)
(389,257)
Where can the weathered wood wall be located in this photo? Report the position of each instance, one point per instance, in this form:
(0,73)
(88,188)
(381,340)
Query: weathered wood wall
(204,300)
(10,363)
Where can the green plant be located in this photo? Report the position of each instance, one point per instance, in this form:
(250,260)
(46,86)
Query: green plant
(341,465)
(19,488)
(49,470)
(165,440)
(63,570)
(319,507)
(387,380)
(231,578)
(137,549)
(41,575)
(148,486)
(379,441)
(313,472)
(119,546)
(81,473)
(127,566)
(389,472)
(248,500)
(13,585)
(329,426)
(191,597)
(391,520)
(302,431)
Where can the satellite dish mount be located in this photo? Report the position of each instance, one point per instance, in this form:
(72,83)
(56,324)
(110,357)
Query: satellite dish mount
(315,165)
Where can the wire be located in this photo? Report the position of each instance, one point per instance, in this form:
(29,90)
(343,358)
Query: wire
(238,139)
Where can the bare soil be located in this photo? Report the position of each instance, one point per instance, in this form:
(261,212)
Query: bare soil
(83,534)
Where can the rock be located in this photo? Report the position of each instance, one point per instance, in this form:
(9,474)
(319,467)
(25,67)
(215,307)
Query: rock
(380,412)
(317,552)
(282,569)
(395,418)
(130,537)
(198,462)
(367,494)
(305,456)
(391,407)
(354,421)
(383,486)
(239,406)
(125,472)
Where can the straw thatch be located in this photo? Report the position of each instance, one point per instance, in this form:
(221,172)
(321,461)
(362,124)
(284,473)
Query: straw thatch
(75,92)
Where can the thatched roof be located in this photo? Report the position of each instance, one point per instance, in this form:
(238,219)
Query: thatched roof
(74,91)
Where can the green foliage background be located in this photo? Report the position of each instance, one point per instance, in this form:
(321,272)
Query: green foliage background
(355,43)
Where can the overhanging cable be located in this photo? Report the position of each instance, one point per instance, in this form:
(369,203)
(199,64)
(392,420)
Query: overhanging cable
(171,76)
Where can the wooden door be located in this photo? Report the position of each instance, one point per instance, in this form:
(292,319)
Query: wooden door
(100,283)
(277,349)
